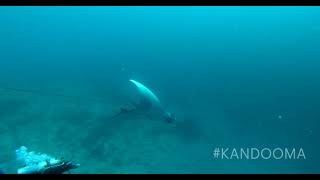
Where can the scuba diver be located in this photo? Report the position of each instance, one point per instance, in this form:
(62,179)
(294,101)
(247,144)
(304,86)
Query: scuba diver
(148,105)
(39,163)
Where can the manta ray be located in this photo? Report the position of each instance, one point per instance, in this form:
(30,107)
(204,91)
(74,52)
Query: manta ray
(148,104)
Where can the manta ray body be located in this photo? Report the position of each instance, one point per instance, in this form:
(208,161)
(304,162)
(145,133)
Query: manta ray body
(150,103)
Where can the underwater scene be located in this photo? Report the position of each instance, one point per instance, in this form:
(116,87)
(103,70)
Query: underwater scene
(148,90)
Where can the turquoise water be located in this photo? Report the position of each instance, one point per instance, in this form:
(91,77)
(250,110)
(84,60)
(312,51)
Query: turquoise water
(235,77)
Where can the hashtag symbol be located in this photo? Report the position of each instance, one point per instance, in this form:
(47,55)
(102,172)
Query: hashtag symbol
(216,153)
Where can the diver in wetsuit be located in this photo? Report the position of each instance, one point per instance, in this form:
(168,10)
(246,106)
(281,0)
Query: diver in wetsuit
(40,163)
(58,168)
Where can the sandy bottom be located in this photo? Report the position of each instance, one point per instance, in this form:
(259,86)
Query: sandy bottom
(84,132)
